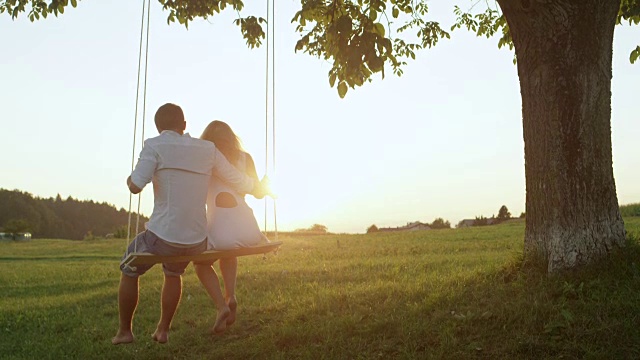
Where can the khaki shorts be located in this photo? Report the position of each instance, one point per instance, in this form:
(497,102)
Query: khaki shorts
(149,242)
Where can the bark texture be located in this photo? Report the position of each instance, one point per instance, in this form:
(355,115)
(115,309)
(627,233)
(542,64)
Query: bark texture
(564,51)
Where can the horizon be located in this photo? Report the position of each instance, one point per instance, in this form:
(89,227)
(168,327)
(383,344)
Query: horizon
(444,140)
(452,224)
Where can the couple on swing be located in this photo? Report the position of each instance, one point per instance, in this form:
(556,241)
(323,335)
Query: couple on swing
(188,173)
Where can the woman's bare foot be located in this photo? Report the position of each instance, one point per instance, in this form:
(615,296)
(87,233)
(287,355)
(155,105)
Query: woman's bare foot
(221,321)
(160,336)
(122,337)
(233,305)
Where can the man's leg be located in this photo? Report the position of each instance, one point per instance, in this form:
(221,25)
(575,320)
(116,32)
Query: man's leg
(209,279)
(127,303)
(171,293)
(229,270)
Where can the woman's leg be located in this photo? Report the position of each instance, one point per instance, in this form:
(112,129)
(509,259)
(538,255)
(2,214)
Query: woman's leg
(229,269)
(209,280)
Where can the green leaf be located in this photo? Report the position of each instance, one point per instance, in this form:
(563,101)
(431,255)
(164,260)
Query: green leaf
(332,79)
(74,3)
(395,12)
(379,29)
(634,55)
(342,89)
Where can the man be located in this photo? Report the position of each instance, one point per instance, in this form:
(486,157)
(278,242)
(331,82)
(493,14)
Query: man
(180,168)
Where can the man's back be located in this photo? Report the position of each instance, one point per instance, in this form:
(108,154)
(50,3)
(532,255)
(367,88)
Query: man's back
(180,187)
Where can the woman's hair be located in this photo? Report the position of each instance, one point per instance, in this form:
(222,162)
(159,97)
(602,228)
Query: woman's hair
(220,133)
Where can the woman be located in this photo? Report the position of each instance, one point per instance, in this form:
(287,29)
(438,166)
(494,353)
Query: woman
(230,224)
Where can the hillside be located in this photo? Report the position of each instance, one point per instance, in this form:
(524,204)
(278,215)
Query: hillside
(60,218)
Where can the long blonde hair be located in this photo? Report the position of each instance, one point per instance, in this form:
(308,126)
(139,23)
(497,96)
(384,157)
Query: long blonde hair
(220,133)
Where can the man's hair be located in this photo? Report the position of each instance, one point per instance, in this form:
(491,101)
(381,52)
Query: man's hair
(169,116)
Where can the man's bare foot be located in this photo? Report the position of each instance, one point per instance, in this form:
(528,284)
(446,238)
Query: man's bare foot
(122,337)
(221,321)
(160,336)
(233,305)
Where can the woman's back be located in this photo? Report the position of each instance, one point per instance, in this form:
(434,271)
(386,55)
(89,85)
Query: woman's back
(230,221)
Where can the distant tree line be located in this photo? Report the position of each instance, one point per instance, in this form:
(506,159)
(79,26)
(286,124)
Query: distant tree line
(437,223)
(630,210)
(315,229)
(503,215)
(61,218)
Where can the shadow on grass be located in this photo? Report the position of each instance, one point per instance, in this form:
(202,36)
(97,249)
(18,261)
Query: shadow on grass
(516,312)
(21,292)
(520,312)
(60,258)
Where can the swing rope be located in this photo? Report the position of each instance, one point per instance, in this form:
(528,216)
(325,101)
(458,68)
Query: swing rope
(144,106)
(270,39)
(266,110)
(273,111)
(135,118)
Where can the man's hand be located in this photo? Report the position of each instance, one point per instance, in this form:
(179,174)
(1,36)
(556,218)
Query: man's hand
(263,189)
(132,187)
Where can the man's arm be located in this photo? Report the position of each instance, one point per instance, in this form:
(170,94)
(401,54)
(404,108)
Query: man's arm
(232,176)
(132,187)
(143,172)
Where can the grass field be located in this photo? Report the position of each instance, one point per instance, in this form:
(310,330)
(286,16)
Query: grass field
(441,294)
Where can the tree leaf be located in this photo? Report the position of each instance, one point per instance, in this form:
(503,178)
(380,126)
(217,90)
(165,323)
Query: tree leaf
(332,79)
(634,55)
(380,29)
(342,89)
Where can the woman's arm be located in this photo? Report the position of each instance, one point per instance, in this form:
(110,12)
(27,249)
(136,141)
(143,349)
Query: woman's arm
(250,170)
(251,167)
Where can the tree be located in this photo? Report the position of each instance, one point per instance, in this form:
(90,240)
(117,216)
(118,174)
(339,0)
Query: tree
(481,221)
(318,228)
(440,223)
(121,232)
(66,219)
(372,229)
(314,229)
(16,226)
(564,52)
(503,213)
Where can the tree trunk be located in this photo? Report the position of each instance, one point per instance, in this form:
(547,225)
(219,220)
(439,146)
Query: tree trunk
(564,52)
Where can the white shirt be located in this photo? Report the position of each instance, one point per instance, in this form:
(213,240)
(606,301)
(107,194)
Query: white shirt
(180,168)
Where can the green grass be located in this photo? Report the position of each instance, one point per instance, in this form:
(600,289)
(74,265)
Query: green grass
(440,294)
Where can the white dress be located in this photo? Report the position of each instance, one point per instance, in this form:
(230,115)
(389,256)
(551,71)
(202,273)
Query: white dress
(228,226)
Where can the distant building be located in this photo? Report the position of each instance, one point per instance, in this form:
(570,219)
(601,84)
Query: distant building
(412,226)
(18,237)
(471,222)
(466,223)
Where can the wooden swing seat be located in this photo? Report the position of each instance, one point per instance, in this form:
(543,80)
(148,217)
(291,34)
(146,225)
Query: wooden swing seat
(140,258)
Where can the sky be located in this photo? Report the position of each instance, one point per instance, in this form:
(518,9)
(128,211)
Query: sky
(444,140)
